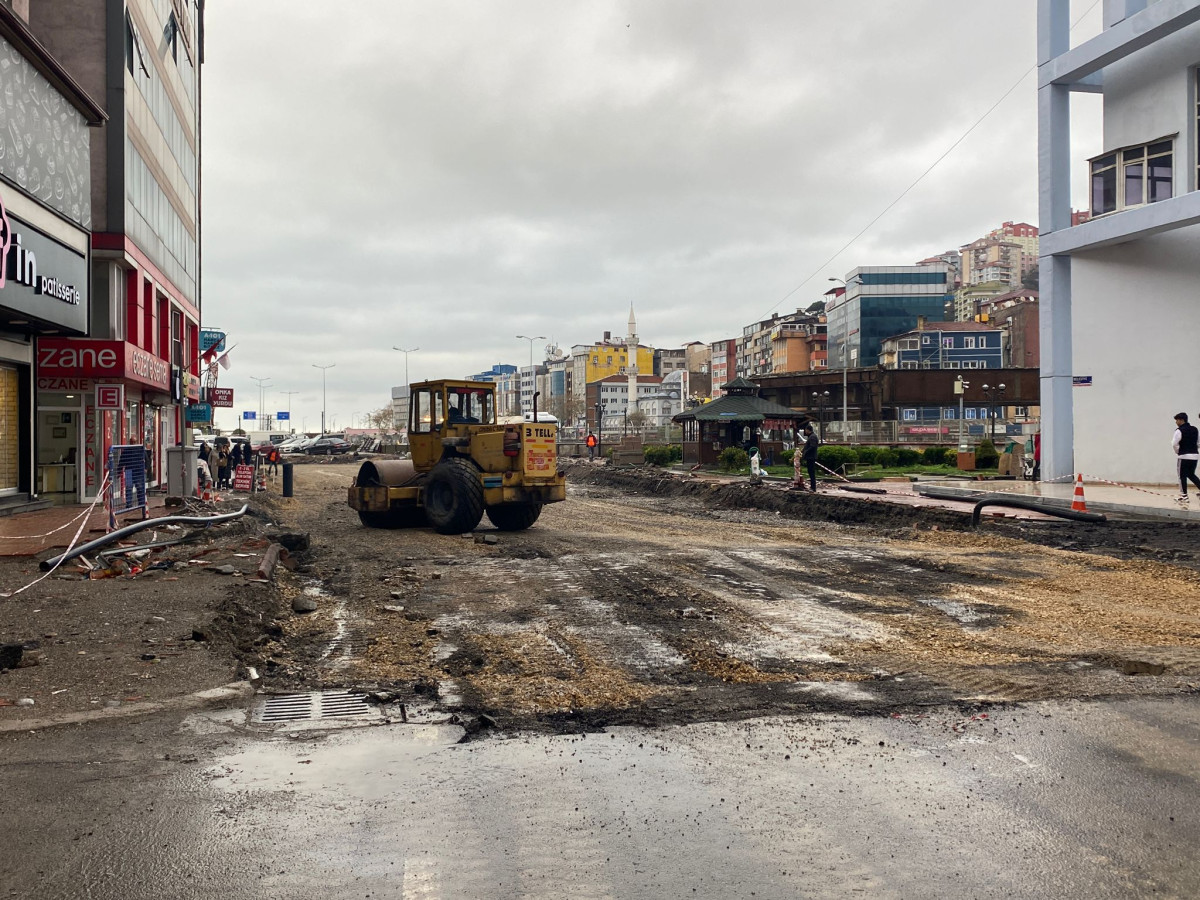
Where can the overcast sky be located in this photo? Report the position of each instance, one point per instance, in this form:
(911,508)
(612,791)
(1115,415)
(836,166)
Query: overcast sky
(447,175)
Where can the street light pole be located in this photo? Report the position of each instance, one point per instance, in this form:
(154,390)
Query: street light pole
(262,382)
(289,396)
(845,363)
(406,352)
(323,368)
(532,374)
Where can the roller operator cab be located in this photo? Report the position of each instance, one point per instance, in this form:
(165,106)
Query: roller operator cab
(464,463)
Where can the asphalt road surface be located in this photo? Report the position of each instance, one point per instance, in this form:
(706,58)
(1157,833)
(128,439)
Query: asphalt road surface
(651,696)
(1066,800)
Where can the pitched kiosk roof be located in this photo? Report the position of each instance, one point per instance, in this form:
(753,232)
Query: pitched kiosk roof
(740,408)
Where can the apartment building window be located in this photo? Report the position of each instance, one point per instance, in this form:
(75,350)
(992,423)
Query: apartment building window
(1021,411)
(969,343)
(910,415)
(1132,177)
(948,343)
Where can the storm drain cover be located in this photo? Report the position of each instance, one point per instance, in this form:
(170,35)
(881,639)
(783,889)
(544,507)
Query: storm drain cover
(316,705)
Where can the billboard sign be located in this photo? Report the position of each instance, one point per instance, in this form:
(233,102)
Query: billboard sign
(199,412)
(210,338)
(222,397)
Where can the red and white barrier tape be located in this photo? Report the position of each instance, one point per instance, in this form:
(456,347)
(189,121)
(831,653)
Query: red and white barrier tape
(70,547)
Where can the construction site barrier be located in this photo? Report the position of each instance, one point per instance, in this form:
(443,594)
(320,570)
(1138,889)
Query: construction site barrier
(126,481)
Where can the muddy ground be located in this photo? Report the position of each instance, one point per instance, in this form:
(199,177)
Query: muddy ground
(644,598)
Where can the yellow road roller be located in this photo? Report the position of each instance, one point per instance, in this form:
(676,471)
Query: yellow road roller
(465,463)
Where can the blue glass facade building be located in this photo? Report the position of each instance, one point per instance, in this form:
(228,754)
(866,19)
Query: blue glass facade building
(882,301)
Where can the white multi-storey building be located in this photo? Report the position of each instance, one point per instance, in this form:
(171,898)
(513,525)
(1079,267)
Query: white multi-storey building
(1142,241)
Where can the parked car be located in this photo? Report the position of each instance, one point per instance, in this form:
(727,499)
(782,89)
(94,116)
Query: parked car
(328,445)
(293,444)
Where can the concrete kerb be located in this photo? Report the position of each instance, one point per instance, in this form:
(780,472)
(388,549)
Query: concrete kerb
(225,695)
(974,495)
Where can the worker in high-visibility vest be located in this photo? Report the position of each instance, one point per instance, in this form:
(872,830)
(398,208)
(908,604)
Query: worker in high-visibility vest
(591,445)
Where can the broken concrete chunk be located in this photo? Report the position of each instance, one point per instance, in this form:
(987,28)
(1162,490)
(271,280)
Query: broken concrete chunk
(25,701)
(293,541)
(304,604)
(10,655)
(223,570)
(486,539)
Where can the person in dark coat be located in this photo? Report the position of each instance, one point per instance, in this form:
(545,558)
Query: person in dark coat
(811,442)
(222,458)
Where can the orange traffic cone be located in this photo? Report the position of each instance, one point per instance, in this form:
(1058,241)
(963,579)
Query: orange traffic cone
(1078,504)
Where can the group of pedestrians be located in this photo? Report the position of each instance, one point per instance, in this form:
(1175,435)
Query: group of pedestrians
(221,461)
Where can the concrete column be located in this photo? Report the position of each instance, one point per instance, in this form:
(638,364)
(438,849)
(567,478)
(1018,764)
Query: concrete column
(1058,423)
(1054,197)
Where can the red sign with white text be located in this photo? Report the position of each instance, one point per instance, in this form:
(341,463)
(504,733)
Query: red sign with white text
(110,396)
(82,358)
(221,396)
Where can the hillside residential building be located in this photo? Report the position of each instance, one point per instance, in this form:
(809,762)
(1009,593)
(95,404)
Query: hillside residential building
(952,260)
(881,301)
(668,361)
(724,363)
(1018,313)
(969,298)
(945,345)
(1142,241)
(699,369)
(800,345)
(143,57)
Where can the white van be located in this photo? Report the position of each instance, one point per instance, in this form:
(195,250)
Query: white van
(258,438)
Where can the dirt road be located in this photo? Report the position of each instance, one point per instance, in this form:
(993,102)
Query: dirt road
(618,607)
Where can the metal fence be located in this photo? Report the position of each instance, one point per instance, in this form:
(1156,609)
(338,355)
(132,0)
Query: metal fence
(126,481)
(943,432)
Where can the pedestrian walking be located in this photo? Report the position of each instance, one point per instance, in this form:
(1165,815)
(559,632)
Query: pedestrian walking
(591,445)
(222,455)
(807,454)
(1187,454)
(273,461)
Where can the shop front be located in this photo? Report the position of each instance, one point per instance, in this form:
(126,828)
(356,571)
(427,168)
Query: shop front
(43,290)
(94,394)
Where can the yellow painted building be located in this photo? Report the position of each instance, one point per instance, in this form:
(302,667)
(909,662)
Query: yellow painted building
(590,363)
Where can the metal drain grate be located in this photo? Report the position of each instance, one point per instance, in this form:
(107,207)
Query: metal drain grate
(317,705)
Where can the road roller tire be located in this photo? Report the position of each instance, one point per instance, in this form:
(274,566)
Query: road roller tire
(514,516)
(410,517)
(454,497)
